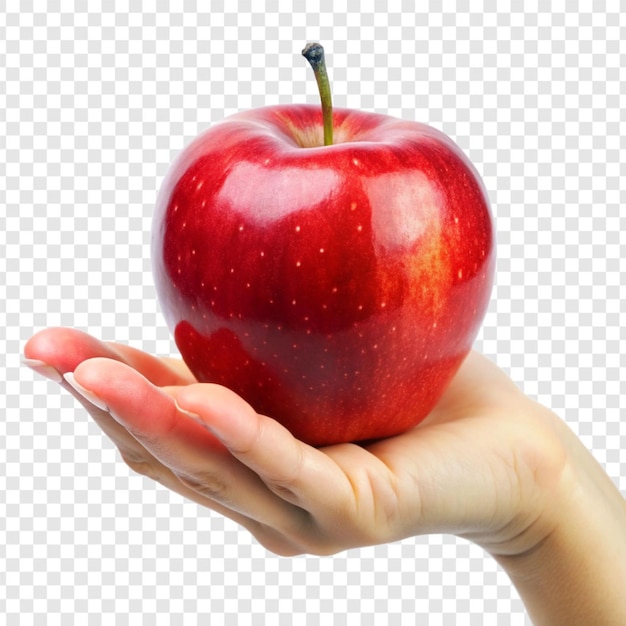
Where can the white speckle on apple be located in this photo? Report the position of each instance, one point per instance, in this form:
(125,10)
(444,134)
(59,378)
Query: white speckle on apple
(293,302)
(241,228)
(199,185)
(356,161)
(321,250)
(383,305)
(359,228)
(460,274)
(297,229)
(335,289)
(353,206)
(434,324)
(456,219)
(298,263)
(262,253)
(193,251)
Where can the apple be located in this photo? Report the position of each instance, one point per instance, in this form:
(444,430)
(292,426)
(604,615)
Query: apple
(331,266)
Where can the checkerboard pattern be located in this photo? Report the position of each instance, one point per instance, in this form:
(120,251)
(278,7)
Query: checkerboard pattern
(93,108)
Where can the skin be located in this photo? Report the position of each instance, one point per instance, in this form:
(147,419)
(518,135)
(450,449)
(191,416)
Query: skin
(488,464)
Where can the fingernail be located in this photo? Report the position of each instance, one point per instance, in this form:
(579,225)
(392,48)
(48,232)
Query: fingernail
(90,396)
(43,369)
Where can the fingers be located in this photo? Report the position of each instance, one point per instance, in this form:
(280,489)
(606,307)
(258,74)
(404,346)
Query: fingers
(195,456)
(142,460)
(58,351)
(61,350)
(148,444)
(209,445)
(132,452)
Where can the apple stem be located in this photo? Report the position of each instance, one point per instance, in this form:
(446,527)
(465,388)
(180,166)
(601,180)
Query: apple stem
(314,54)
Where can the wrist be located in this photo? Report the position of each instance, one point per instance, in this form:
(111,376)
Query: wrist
(571,567)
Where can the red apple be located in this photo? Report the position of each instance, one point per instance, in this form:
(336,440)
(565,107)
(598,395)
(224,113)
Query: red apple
(337,288)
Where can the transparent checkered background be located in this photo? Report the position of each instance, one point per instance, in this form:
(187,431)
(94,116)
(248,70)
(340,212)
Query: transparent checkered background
(94,106)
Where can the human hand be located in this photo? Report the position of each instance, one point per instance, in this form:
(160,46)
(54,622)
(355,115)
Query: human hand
(488,464)
(484,465)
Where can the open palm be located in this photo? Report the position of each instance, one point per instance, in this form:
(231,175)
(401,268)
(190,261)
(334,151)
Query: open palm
(484,450)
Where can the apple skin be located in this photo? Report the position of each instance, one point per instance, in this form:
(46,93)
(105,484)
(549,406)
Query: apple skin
(335,288)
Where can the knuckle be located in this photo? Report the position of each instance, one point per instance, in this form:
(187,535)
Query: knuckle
(307,536)
(140,465)
(279,540)
(132,456)
(211,485)
(284,491)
